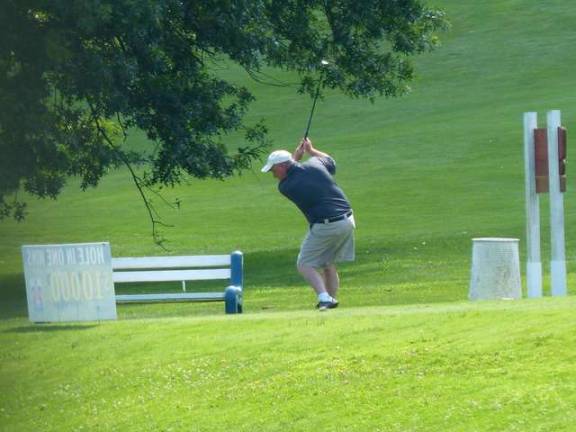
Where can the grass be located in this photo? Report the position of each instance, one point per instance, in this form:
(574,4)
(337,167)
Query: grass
(449,367)
(405,352)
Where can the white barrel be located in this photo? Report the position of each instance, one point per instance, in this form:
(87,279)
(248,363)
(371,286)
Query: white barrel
(495,270)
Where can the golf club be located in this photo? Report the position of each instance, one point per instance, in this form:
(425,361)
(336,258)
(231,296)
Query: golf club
(323,64)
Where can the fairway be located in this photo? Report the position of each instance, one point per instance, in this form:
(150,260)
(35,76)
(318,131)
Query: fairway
(405,351)
(451,367)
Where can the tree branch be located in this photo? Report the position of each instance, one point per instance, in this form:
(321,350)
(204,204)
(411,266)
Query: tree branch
(255,75)
(138,182)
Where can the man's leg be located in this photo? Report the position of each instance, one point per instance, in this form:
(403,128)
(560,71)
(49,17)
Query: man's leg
(313,277)
(311,247)
(316,280)
(332,281)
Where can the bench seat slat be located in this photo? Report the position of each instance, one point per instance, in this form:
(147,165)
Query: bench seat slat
(128,263)
(143,298)
(170,275)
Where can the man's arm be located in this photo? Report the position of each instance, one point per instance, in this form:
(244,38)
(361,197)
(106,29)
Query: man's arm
(305,146)
(299,152)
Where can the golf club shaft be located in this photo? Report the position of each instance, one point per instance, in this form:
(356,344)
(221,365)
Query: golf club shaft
(313,106)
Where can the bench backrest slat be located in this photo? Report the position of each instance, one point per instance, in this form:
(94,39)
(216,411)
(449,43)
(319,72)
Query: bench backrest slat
(127,263)
(170,275)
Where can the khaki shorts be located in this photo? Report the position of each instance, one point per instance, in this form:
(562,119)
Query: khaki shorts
(326,244)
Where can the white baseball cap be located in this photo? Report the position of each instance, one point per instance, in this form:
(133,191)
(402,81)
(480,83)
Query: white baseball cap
(276,157)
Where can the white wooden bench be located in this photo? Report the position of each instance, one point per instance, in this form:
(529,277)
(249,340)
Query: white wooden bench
(182,268)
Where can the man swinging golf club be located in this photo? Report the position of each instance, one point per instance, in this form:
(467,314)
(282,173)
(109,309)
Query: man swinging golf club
(330,238)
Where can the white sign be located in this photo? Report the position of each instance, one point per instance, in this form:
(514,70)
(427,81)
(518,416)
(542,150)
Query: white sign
(70,282)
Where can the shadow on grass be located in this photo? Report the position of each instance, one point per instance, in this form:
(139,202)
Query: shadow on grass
(12,287)
(272,269)
(384,273)
(48,327)
(12,296)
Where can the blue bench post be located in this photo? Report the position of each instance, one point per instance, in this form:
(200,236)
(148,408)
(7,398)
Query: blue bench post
(233,294)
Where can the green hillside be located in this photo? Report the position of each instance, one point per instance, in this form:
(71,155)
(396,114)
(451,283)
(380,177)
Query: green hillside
(405,351)
(425,173)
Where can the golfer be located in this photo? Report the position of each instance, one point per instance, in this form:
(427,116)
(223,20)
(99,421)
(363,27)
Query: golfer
(330,239)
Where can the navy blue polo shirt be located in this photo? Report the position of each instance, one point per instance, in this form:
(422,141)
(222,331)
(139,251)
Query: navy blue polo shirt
(312,188)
